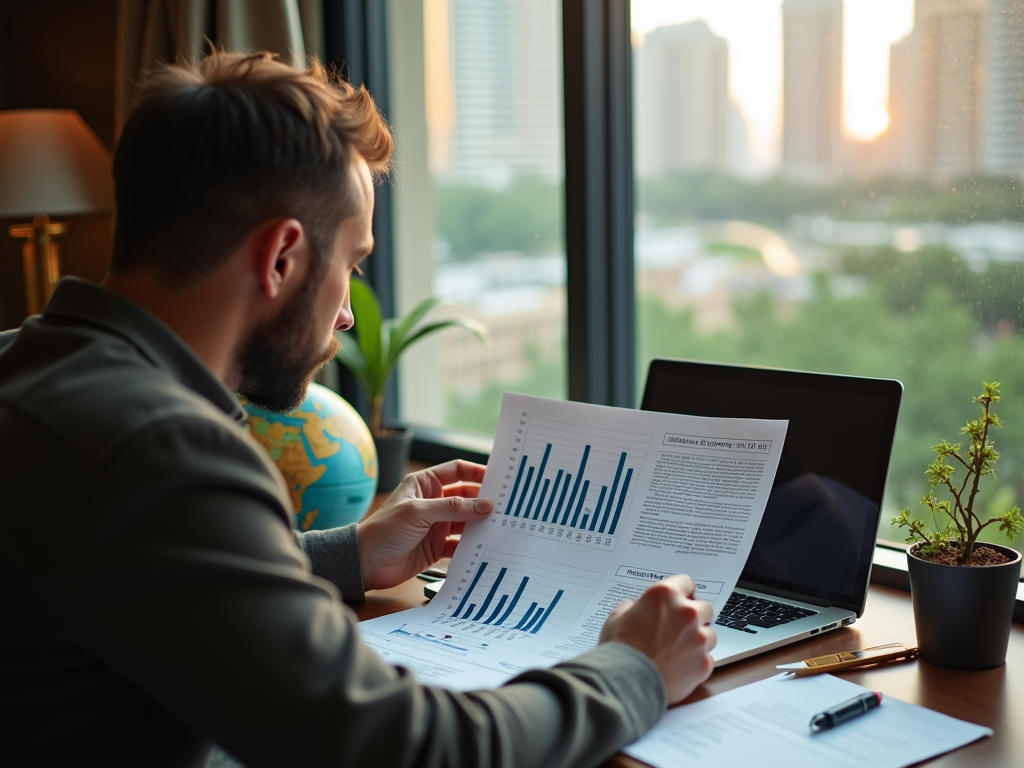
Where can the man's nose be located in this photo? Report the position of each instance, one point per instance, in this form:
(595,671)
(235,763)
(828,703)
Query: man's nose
(345,319)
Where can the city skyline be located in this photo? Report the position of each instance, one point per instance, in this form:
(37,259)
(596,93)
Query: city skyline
(494,87)
(753,31)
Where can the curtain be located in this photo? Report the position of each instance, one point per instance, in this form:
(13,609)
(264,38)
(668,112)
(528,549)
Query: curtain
(153,31)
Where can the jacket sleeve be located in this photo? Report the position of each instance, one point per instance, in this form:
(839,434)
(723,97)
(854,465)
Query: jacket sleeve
(190,584)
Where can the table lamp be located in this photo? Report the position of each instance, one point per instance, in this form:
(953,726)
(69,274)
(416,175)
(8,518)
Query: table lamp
(50,163)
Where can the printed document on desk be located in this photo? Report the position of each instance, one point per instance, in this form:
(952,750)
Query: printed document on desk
(768,724)
(592,505)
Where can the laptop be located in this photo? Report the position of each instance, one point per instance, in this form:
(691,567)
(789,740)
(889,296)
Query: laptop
(810,564)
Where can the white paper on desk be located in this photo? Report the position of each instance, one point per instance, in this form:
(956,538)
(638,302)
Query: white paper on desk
(768,724)
(592,505)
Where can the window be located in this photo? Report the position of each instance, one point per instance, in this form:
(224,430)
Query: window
(836,186)
(819,184)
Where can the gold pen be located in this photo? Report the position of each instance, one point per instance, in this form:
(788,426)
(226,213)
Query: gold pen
(846,659)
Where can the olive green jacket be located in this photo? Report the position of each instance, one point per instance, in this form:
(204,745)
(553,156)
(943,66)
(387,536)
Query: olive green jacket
(156,601)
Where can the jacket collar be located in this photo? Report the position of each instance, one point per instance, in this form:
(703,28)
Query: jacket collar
(82,301)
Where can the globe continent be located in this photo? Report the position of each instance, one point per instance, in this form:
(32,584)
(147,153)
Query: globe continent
(326,454)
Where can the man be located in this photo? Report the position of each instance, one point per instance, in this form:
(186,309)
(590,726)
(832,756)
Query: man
(155,598)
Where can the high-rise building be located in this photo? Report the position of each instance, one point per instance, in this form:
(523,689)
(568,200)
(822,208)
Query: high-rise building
(505,69)
(683,117)
(938,90)
(812,79)
(1004,124)
(901,150)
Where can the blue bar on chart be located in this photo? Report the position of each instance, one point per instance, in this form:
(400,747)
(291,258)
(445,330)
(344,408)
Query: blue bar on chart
(465,597)
(531,489)
(554,492)
(515,486)
(526,488)
(490,595)
(576,487)
(611,496)
(622,500)
(579,505)
(540,474)
(597,510)
(547,613)
(531,621)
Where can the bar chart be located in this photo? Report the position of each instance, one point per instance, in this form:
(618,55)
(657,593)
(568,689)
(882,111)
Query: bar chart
(569,482)
(514,593)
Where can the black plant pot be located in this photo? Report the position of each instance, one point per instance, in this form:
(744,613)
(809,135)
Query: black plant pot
(392,457)
(963,613)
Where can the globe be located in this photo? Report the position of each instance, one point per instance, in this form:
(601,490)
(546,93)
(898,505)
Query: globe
(326,454)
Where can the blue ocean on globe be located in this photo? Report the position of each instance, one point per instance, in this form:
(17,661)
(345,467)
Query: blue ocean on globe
(325,453)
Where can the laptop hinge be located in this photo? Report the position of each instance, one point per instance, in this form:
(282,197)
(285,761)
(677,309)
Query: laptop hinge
(741,584)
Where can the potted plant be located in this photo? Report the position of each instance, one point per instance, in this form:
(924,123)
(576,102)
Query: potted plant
(963,590)
(372,351)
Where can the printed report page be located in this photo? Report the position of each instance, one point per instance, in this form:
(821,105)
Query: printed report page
(592,505)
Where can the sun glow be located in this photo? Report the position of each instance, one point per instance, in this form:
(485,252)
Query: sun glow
(867,124)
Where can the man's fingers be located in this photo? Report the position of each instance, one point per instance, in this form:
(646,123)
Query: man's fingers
(682,582)
(456,471)
(712,637)
(454,508)
(469,490)
(705,611)
(622,607)
(449,547)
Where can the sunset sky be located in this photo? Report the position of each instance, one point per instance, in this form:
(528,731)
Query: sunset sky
(753,29)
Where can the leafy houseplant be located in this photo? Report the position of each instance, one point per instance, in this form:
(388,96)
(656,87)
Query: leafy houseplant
(372,351)
(963,592)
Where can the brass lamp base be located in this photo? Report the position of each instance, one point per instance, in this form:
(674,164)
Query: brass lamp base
(40,259)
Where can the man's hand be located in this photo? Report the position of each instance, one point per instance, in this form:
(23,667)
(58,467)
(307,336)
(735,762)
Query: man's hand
(413,528)
(672,629)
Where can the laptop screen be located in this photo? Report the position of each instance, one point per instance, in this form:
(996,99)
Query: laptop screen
(818,533)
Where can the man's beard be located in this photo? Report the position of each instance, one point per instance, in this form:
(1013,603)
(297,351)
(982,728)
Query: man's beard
(279,359)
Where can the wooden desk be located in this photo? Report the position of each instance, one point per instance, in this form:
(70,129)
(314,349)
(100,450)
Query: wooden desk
(994,698)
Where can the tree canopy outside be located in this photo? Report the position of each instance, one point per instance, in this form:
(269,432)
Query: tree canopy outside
(925,317)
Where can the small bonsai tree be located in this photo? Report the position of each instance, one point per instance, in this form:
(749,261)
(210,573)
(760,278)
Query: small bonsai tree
(373,349)
(962,523)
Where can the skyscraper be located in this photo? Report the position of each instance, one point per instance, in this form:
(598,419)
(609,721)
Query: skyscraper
(683,117)
(1004,124)
(812,79)
(506,85)
(938,90)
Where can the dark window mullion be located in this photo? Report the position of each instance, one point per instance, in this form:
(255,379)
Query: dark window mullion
(599,201)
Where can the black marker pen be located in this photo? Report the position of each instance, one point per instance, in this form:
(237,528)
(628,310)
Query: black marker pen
(848,710)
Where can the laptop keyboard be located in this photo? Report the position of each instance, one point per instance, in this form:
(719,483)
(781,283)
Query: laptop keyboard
(748,613)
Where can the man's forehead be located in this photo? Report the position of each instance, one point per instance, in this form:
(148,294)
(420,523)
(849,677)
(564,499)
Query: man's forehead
(363,181)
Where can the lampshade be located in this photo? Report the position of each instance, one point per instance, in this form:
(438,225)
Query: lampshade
(52,163)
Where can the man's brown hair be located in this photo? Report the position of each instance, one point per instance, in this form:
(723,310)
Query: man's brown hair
(212,150)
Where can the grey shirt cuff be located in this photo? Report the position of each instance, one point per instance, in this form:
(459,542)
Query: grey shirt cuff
(334,555)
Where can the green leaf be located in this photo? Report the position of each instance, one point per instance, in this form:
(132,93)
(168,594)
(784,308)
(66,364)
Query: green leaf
(369,322)
(1012,523)
(477,329)
(402,328)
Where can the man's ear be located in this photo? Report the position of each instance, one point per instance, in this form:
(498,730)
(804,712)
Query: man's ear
(282,256)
